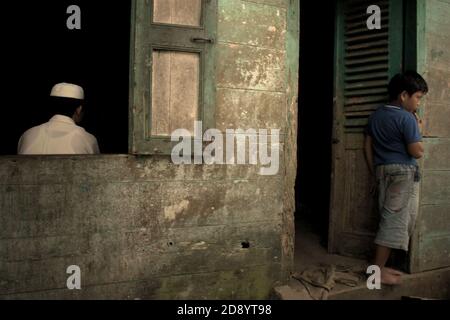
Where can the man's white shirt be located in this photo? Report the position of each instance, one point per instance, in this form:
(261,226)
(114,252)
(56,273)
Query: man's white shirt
(58,136)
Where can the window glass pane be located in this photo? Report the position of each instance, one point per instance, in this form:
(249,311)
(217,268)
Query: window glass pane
(175,91)
(180,12)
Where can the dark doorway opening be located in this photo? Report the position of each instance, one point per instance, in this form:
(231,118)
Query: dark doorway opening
(39,51)
(316,83)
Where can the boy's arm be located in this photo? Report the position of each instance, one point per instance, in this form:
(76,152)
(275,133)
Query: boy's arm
(416,149)
(368,150)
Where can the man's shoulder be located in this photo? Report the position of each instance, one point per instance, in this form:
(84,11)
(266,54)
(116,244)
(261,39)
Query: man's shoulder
(84,142)
(86,135)
(35,130)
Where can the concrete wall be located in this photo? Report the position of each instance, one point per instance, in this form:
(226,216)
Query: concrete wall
(432,241)
(141,227)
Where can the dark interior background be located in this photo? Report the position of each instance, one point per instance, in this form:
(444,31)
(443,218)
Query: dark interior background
(317,32)
(38,51)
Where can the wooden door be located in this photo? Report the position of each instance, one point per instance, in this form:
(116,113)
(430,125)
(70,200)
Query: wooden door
(365,61)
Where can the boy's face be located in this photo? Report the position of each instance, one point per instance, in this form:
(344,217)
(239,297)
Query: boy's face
(411,103)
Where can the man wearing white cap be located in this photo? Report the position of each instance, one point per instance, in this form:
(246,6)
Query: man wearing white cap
(61,135)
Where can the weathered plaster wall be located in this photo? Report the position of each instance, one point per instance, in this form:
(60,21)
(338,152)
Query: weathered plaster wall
(257,85)
(433,234)
(141,227)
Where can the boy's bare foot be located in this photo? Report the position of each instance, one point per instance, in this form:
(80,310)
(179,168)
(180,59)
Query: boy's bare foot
(389,278)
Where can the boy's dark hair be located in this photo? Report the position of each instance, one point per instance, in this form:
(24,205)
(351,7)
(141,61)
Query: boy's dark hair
(64,106)
(409,81)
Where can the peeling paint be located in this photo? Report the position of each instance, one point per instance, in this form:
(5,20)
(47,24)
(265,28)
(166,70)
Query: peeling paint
(171,213)
(200,246)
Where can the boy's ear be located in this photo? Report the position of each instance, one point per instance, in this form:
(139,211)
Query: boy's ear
(404,95)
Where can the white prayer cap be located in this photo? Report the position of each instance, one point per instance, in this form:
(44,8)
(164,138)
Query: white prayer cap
(67,90)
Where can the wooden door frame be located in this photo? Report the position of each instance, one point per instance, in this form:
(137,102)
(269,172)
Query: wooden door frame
(337,152)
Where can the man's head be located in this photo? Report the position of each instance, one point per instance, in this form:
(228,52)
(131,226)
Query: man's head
(407,89)
(67,99)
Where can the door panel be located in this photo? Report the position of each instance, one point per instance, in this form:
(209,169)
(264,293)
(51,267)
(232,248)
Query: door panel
(172,50)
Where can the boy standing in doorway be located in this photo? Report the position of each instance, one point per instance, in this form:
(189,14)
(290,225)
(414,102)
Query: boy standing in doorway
(393,143)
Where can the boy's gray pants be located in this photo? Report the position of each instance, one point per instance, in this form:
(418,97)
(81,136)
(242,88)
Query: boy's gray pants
(397,203)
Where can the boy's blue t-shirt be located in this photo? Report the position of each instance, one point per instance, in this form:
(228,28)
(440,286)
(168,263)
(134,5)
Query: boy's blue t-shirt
(393,129)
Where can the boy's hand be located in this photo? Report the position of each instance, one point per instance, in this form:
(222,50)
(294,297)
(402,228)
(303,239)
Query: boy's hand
(419,121)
